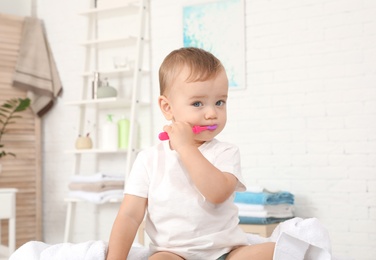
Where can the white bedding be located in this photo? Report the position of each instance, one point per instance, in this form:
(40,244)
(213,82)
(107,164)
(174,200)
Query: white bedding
(90,250)
(296,239)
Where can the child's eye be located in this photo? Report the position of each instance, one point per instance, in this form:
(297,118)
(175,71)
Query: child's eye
(197,104)
(220,103)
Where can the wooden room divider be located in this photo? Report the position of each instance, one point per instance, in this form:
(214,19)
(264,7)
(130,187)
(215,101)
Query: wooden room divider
(22,172)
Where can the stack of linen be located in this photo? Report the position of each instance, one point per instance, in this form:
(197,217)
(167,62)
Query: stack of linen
(97,188)
(260,206)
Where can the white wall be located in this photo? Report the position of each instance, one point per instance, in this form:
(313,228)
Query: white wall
(305,123)
(17,7)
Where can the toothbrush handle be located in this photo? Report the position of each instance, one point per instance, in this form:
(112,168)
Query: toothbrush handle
(196,129)
(163,136)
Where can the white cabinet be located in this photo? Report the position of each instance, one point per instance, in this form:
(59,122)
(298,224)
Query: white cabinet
(8,212)
(117,48)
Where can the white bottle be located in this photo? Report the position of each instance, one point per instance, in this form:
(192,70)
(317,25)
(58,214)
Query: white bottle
(109,134)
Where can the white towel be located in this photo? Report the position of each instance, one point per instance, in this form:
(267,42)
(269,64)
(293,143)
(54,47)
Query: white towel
(96,177)
(265,214)
(255,189)
(258,189)
(265,211)
(269,208)
(98,197)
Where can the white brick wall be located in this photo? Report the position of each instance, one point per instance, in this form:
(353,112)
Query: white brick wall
(306,121)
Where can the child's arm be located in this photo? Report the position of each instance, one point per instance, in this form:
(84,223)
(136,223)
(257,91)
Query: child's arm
(214,185)
(124,229)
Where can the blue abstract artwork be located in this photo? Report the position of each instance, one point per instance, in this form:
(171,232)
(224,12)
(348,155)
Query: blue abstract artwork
(218,27)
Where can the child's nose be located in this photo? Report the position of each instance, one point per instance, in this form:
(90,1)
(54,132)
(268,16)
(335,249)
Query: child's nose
(211,113)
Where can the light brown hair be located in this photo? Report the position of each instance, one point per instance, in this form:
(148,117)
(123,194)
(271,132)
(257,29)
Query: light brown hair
(202,64)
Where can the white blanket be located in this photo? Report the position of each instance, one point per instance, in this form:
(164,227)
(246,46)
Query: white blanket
(90,250)
(296,239)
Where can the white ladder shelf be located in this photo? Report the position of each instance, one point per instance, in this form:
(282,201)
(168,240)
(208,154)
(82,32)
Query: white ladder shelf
(139,10)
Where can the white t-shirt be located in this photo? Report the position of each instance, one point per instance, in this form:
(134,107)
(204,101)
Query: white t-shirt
(178,218)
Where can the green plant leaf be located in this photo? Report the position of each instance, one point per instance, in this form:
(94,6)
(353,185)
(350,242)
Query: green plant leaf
(22,105)
(8,110)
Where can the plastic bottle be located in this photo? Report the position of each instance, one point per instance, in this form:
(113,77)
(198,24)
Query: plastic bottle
(123,131)
(109,134)
(106,90)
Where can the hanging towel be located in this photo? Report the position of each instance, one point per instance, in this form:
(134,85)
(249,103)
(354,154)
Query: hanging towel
(264,198)
(36,70)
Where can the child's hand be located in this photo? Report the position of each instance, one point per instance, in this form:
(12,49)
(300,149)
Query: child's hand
(180,134)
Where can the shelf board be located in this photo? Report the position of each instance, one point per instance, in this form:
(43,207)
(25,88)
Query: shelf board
(109,72)
(105,103)
(96,151)
(110,11)
(113,200)
(113,72)
(112,102)
(111,42)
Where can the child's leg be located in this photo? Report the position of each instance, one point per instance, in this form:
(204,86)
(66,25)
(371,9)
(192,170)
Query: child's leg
(262,251)
(165,256)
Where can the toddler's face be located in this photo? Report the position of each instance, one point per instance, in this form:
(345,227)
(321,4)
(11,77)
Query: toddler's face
(200,103)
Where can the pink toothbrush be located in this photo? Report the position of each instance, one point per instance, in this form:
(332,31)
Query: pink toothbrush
(196,129)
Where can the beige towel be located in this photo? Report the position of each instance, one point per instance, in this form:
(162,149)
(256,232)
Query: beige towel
(36,70)
(97,186)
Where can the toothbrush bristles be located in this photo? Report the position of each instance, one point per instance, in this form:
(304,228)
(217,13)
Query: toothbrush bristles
(212,127)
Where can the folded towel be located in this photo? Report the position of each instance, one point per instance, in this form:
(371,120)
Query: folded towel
(268,208)
(255,189)
(265,214)
(98,177)
(97,186)
(98,197)
(265,211)
(264,198)
(255,220)
(36,71)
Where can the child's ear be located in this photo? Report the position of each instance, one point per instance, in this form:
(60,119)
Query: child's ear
(165,107)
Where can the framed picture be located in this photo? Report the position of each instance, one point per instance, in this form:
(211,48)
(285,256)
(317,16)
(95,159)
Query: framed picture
(219,27)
